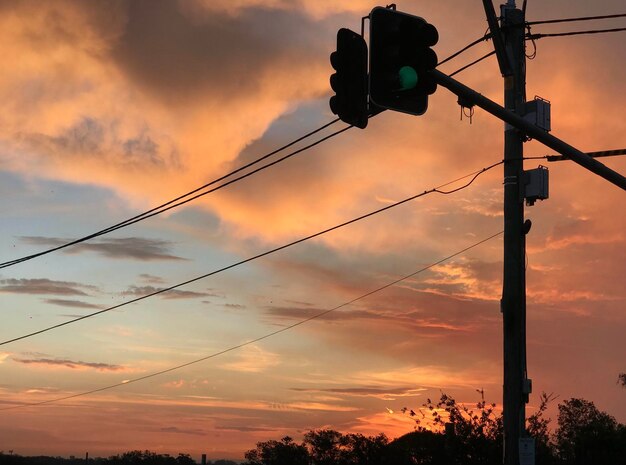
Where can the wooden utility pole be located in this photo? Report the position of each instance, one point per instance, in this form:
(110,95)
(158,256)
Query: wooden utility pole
(513,305)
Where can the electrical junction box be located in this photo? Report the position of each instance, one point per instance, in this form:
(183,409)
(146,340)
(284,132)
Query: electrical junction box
(535,185)
(537,112)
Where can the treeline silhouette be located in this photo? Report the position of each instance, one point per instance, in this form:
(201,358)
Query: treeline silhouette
(460,435)
(457,435)
(135,457)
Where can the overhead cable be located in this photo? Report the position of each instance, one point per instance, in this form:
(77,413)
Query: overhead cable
(178,200)
(189,196)
(573,33)
(260,255)
(583,18)
(464,49)
(463,68)
(258,339)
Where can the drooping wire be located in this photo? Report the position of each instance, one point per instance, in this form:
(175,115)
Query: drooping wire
(477,173)
(189,195)
(569,20)
(533,55)
(258,339)
(532,37)
(574,33)
(260,255)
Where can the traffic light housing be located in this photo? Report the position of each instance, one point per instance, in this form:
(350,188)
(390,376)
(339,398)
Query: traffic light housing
(400,58)
(350,80)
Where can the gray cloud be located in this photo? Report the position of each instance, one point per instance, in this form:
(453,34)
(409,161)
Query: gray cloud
(148,278)
(138,291)
(393,315)
(136,248)
(44,286)
(308,312)
(234,306)
(69,364)
(71,303)
(244,429)
(176,50)
(175,429)
(89,137)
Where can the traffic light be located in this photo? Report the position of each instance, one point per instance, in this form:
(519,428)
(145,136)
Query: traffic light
(400,58)
(350,80)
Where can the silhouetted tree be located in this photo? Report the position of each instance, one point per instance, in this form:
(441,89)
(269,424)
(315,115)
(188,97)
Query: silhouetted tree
(185,459)
(421,447)
(537,426)
(324,446)
(280,452)
(622,379)
(587,436)
(138,457)
(357,449)
(471,436)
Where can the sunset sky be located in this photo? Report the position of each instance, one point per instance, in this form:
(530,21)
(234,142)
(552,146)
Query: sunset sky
(110,108)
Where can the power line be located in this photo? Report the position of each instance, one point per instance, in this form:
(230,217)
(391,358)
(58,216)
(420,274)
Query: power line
(176,202)
(569,20)
(478,173)
(463,68)
(258,339)
(172,203)
(464,49)
(260,255)
(574,33)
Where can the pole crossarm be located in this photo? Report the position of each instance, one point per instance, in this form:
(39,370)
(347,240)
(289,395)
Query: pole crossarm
(529,129)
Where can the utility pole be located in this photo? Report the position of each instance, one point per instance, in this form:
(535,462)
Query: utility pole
(513,305)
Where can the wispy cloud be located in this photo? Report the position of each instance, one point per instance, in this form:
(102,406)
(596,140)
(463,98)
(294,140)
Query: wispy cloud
(44,286)
(177,430)
(136,248)
(245,429)
(71,303)
(65,363)
(151,279)
(308,312)
(321,406)
(177,384)
(386,393)
(42,390)
(138,291)
(432,376)
(253,359)
(391,316)
(234,306)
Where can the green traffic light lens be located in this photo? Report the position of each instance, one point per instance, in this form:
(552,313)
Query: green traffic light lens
(408,78)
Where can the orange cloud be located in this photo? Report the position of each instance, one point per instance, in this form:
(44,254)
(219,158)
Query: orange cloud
(252,359)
